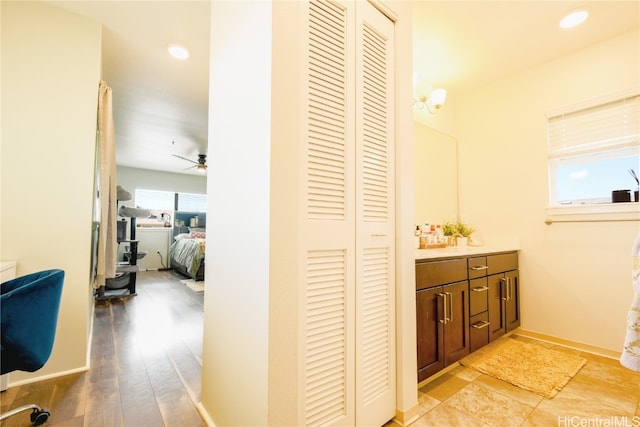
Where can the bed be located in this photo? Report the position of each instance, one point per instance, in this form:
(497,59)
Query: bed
(186,255)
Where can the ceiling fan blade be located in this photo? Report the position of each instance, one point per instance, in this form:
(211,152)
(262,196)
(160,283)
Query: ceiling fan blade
(184,158)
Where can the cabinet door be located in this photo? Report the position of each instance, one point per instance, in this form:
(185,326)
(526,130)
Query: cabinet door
(429,328)
(497,322)
(456,328)
(512,304)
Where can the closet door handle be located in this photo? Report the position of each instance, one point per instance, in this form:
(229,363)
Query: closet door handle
(480,289)
(444,307)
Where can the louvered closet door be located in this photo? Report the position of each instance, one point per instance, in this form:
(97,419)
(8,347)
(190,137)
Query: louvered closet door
(375,218)
(348,330)
(328,219)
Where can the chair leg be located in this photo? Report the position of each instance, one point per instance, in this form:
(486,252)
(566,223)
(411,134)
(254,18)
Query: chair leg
(38,415)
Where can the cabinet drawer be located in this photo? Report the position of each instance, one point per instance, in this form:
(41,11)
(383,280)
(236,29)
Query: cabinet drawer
(434,273)
(478,331)
(478,296)
(477,267)
(502,262)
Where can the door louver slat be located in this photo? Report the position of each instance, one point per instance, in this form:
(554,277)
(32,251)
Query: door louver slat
(326,157)
(375,132)
(376,334)
(325,339)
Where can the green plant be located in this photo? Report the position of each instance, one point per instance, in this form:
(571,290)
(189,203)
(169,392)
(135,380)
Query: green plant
(464,230)
(449,229)
(457,229)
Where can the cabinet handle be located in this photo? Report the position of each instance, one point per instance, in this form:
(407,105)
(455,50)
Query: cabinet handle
(480,289)
(504,289)
(480,267)
(509,284)
(480,325)
(444,307)
(450,295)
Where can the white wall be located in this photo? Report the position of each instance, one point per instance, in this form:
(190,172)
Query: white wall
(50,75)
(575,277)
(236,320)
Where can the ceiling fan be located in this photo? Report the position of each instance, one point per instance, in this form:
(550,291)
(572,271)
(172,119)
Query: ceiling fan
(200,165)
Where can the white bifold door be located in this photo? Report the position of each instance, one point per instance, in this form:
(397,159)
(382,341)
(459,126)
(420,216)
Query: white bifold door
(348,343)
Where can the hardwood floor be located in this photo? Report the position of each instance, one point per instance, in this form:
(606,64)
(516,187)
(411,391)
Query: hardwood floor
(146,364)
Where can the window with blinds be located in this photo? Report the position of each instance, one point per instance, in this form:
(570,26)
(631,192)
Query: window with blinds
(592,150)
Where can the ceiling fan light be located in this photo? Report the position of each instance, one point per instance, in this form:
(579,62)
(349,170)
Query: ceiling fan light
(201,168)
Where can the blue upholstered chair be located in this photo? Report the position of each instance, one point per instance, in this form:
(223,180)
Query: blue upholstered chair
(29,308)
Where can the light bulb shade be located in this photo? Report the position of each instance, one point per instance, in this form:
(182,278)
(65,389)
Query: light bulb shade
(178,52)
(437,98)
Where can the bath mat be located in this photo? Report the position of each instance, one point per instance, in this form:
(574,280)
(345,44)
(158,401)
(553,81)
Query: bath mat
(193,285)
(529,366)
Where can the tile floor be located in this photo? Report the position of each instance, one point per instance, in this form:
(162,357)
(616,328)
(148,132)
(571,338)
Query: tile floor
(602,394)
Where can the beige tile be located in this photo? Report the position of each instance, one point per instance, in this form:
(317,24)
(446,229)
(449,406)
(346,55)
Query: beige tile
(443,387)
(601,359)
(445,415)
(492,408)
(468,374)
(570,403)
(509,390)
(604,392)
(542,418)
(426,403)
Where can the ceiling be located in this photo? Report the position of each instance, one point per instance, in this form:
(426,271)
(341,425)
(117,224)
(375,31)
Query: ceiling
(161,104)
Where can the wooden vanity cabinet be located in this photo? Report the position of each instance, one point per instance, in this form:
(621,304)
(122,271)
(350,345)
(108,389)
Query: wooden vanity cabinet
(462,304)
(442,315)
(504,294)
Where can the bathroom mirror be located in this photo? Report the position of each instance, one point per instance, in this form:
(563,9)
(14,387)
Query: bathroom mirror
(436,176)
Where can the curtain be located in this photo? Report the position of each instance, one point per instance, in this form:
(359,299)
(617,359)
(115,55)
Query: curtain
(107,244)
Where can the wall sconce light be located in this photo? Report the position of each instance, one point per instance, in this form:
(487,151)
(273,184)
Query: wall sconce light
(433,103)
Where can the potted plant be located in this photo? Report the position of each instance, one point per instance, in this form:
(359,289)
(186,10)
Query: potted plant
(457,232)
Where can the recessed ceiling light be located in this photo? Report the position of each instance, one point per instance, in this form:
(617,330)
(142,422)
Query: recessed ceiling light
(574,19)
(178,51)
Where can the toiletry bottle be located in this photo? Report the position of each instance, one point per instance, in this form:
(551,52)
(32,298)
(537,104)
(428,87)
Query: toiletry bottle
(416,236)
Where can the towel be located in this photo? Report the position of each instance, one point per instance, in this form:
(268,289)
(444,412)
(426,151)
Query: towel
(631,353)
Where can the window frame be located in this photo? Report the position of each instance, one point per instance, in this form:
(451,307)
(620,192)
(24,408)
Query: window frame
(588,211)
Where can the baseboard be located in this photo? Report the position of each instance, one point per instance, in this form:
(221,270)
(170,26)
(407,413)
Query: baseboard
(405,418)
(438,374)
(205,415)
(48,377)
(587,348)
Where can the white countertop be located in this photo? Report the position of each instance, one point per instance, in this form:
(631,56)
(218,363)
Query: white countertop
(454,251)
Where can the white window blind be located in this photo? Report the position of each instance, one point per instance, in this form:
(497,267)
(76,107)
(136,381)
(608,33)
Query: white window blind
(152,199)
(608,126)
(192,202)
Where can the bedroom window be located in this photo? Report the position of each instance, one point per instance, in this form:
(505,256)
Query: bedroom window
(192,202)
(591,150)
(155,200)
